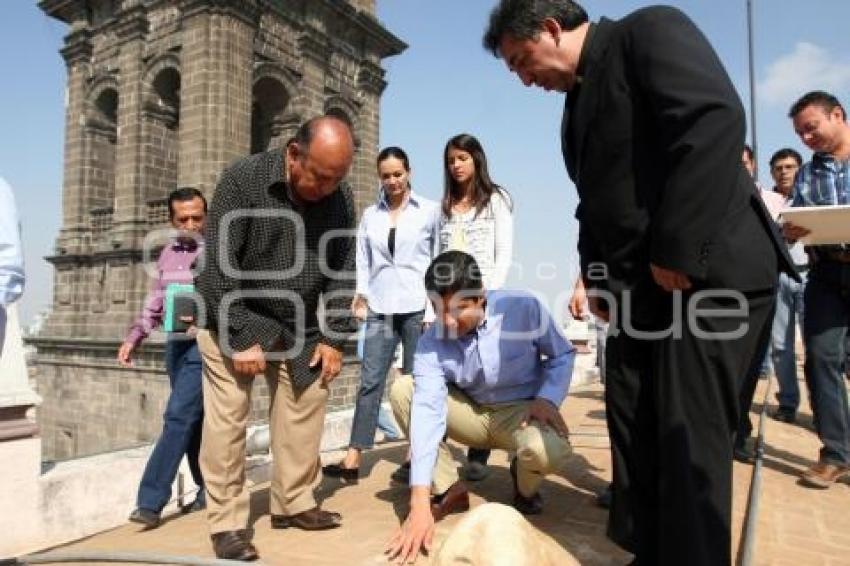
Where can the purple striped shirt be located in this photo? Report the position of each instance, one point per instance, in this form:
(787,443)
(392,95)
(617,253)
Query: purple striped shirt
(173,266)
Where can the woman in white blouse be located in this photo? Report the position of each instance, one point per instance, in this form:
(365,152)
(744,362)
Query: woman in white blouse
(395,243)
(477,218)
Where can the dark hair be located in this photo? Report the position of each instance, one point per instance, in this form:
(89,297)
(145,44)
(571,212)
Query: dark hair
(394,151)
(453,271)
(398,153)
(748,149)
(184,194)
(482,186)
(819,98)
(785,153)
(307,131)
(523,19)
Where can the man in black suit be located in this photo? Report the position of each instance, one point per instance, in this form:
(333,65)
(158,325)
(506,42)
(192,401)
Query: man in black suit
(673,237)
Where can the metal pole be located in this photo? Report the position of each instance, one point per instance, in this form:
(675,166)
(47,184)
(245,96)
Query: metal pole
(753,136)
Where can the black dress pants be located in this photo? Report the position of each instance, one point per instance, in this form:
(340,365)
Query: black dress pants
(672,406)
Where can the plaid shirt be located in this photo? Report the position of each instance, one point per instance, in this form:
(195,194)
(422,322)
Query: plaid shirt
(823,181)
(268,259)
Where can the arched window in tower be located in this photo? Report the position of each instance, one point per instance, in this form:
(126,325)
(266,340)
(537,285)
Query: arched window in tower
(161,115)
(101,137)
(270,100)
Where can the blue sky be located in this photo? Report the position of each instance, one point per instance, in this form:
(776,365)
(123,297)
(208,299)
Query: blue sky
(444,84)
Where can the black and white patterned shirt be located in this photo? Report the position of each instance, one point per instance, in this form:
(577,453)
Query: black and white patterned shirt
(268,259)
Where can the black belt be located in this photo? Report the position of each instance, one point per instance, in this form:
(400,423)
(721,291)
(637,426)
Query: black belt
(802,268)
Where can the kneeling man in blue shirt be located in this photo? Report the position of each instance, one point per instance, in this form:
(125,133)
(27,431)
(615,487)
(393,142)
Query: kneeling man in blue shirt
(492,372)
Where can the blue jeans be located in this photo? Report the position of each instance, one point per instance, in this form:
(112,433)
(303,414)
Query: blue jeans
(789,312)
(181,427)
(383,333)
(827,299)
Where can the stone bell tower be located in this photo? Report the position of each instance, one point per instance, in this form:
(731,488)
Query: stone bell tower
(161,94)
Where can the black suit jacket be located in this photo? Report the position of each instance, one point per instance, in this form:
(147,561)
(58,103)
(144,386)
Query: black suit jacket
(652,138)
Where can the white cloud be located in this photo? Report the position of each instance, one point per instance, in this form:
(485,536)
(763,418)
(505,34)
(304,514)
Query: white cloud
(808,67)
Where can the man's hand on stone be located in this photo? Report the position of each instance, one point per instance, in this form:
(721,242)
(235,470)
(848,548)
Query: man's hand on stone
(250,362)
(547,415)
(417,531)
(331,360)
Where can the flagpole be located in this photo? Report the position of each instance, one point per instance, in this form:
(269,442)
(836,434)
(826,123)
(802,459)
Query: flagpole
(753,135)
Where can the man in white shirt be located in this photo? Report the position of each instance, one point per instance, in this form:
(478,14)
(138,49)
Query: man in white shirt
(11,257)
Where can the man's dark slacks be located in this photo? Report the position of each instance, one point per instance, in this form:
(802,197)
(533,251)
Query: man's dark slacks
(672,406)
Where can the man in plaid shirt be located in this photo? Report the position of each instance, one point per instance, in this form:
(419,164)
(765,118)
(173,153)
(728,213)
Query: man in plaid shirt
(821,122)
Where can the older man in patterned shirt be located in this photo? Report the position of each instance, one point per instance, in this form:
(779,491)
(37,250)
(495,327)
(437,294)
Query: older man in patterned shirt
(280,234)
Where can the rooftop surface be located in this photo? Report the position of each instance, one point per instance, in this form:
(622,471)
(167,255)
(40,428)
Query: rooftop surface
(795,525)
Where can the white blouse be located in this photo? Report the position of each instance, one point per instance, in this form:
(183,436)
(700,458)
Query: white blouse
(487,237)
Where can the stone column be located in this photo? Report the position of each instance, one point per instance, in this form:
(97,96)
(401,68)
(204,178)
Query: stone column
(370,85)
(77,54)
(215,93)
(314,52)
(130,215)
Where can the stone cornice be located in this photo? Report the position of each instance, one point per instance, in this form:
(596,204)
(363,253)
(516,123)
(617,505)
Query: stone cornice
(66,11)
(45,344)
(78,47)
(97,344)
(96,257)
(313,44)
(370,78)
(14,423)
(131,24)
(380,40)
(246,10)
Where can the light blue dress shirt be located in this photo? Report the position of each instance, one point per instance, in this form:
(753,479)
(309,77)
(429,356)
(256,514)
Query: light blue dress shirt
(11,257)
(394,284)
(517,353)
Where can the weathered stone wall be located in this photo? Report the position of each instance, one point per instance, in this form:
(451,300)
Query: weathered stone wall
(90,406)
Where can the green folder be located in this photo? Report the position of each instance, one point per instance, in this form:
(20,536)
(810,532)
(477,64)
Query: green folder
(179,301)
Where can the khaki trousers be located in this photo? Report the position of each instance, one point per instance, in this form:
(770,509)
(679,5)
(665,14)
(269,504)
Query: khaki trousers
(539,451)
(296,420)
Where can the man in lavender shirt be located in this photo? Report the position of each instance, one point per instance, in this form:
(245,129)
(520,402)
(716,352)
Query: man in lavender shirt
(181,428)
(11,256)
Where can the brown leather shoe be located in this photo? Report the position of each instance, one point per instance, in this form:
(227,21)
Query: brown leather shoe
(823,474)
(453,500)
(234,545)
(314,519)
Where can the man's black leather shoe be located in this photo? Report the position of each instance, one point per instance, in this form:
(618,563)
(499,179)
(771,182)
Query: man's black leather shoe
(150,519)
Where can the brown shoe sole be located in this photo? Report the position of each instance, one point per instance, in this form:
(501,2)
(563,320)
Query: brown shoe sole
(280,522)
(818,482)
